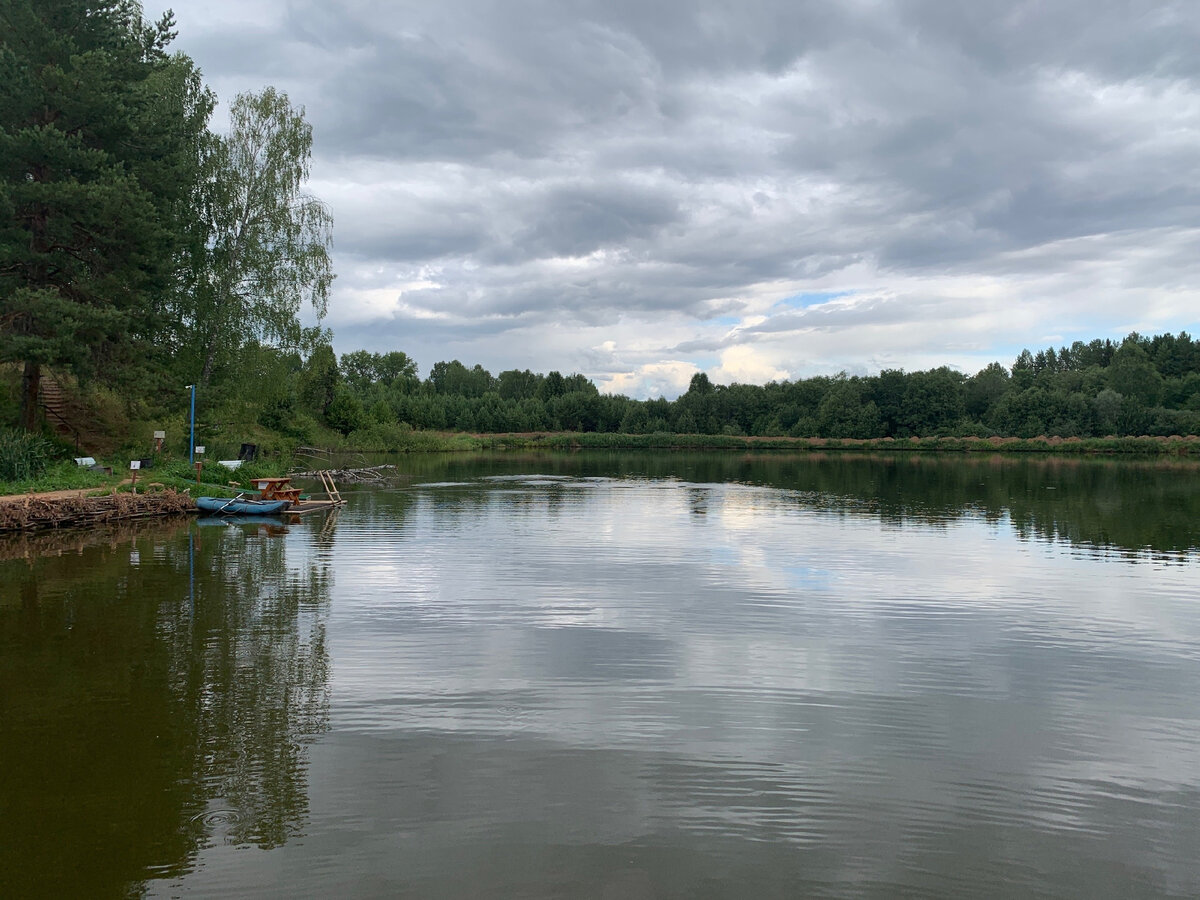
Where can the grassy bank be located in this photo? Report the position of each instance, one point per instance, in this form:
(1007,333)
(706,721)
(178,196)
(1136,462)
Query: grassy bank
(428,441)
(215,479)
(61,476)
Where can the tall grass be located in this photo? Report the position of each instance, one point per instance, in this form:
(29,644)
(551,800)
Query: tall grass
(1146,445)
(212,472)
(402,439)
(23,456)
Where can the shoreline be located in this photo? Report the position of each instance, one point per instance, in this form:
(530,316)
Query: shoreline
(444,442)
(24,513)
(83,507)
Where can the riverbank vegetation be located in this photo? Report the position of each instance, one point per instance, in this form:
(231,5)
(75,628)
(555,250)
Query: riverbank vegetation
(1138,395)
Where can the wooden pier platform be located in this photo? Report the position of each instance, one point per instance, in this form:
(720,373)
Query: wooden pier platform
(298,504)
(301,507)
(333,499)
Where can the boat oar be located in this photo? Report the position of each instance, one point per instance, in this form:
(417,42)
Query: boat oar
(227,502)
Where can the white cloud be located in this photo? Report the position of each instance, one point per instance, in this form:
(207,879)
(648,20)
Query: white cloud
(746,365)
(664,379)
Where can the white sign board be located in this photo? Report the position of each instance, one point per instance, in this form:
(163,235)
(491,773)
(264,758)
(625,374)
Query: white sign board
(135,464)
(199,449)
(160,435)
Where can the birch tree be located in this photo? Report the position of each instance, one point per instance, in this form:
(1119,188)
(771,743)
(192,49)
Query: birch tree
(268,251)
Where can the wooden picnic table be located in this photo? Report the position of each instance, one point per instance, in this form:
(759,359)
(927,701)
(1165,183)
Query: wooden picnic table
(277,489)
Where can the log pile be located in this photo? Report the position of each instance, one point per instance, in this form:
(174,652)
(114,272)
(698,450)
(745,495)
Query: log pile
(31,513)
(362,475)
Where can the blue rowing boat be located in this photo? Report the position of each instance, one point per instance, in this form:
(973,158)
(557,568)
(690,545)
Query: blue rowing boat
(240,506)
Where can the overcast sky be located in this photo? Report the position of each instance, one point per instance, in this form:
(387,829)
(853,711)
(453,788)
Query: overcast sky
(759,190)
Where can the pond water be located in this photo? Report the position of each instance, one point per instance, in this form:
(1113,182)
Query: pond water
(620,676)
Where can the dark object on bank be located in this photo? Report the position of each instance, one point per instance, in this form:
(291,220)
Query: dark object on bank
(249,452)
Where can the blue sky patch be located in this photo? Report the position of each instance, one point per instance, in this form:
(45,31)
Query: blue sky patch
(811,298)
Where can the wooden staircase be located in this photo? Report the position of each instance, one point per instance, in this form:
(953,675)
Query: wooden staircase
(57,410)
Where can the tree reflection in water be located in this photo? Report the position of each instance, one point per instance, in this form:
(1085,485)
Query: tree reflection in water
(158,687)
(1127,505)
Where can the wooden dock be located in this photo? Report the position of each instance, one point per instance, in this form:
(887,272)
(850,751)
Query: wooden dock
(303,507)
(299,505)
(333,497)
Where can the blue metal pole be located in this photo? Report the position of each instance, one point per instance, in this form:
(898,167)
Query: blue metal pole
(192,437)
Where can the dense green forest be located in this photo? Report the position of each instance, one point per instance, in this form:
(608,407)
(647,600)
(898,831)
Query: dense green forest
(1140,386)
(141,252)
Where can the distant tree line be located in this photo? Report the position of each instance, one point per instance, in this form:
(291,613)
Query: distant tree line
(1137,386)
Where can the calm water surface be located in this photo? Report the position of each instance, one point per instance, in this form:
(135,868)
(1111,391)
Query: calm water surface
(620,676)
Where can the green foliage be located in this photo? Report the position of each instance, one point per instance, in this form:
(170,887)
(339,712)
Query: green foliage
(345,412)
(933,401)
(1049,395)
(399,438)
(215,479)
(279,412)
(984,389)
(518,384)
(23,456)
(319,380)
(365,372)
(141,250)
(1132,374)
(61,476)
(846,411)
(9,395)
(372,401)
(213,473)
(98,135)
(267,241)
(453,378)
(636,420)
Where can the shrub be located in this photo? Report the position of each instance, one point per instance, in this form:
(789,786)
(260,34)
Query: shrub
(23,456)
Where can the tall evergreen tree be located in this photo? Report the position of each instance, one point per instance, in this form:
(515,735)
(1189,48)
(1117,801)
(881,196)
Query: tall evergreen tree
(98,128)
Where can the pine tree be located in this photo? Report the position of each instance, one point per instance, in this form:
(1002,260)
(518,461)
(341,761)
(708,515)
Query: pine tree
(98,135)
